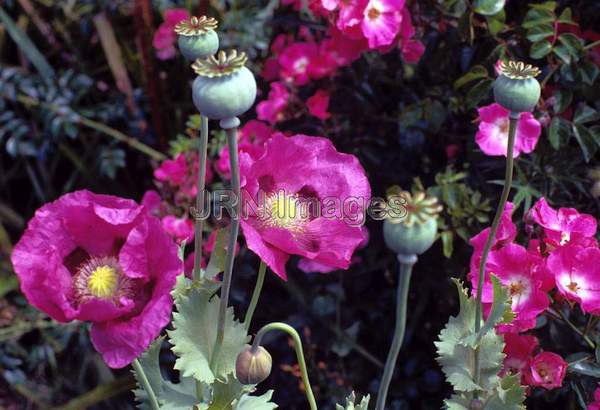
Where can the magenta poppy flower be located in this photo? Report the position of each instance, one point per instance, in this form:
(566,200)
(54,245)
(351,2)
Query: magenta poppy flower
(182,173)
(492,136)
(318,105)
(519,352)
(271,109)
(548,370)
(302,197)
(381,21)
(517,269)
(564,226)
(104,260)
(577,273)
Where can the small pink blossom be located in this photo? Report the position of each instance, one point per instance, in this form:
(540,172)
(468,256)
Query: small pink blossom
(564,226)
(152,200)
(164,37)
(251,139)
(104,260)
(291,174)
(518,271)
(271,110)
(173,171)
(548,370)
(295,61)
(492,136)
(519,352)
(318,105)
(381,21)
(577,273)
(181,229)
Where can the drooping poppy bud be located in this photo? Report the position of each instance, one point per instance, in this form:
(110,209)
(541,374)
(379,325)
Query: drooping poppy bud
(253,367)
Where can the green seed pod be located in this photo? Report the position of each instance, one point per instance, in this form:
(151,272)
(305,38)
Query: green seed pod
(197,37)
(224,88)
(253,368)
(415,231)
(516,88)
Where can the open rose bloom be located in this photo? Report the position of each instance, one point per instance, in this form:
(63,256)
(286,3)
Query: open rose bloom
(302,197)
(103,260)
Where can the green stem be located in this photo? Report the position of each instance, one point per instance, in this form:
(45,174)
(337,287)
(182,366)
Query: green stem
(260,280)
(592,45)
(512,129)
(198,217)
(406,264)
(299,354)
(575,328)
(235,227)
(146,384)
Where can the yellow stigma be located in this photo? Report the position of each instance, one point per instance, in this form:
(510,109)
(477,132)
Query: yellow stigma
(283,209)
(103,281)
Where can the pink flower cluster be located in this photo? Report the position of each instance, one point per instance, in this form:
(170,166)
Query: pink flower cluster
(177,177)
(545,369)
(355,26)
(561,256)
(164,37)
(595,405)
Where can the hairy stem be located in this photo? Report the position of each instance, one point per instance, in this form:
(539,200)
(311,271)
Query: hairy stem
(260,280)
(146,384)
(299,354)
(512,129)
(198,217)
(406,265)
(235,227)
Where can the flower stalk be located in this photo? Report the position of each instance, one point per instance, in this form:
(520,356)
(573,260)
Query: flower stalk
(232,134)
(406,264)
(145,384)
(512,128)
(198,218)
(260,280)
(283,327)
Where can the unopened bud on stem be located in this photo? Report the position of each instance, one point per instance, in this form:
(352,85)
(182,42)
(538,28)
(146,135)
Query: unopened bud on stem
(253,367)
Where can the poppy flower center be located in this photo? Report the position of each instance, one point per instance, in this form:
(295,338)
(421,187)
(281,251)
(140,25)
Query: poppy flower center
(103,281)
(516,288)
(564,238)
(573,287)
(283,210)
(102,278)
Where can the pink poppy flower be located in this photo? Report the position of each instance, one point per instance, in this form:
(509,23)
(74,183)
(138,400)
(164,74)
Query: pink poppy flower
(318,105)
(548,370)
(517,270)
(173,171)
(180,229)
(164,37)
(564,226)
(302,197)
(271,110)
(101,259)
(577,273)
(492,136)
(295,61)
(519,352)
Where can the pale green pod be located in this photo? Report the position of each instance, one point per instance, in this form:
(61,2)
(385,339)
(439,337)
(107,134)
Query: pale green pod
(197,37)
(516,88)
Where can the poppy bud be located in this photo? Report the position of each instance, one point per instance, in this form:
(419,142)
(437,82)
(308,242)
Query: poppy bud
(516,88)
(224,88)
(253,368)
(415,231)
(197,37)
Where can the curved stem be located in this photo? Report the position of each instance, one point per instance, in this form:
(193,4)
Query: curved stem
(235,227)
(145,384)
(406,265)
(256,294)
(299,354)
(198,217)
(514,118)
